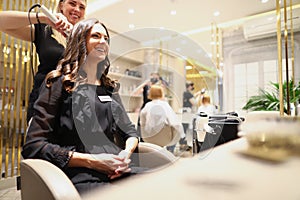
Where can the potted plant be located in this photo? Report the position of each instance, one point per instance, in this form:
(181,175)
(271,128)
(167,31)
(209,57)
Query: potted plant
(269,100)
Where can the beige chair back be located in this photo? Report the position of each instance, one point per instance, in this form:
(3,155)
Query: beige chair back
(163,138)
(41,179)
(154,157)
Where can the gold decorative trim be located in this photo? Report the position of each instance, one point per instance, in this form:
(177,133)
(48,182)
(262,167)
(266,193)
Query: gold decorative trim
(279,50)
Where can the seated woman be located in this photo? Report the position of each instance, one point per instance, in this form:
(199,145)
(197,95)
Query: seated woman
(159,123)
(77,116)
(206,107)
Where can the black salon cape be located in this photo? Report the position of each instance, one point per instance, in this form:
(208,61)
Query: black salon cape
(78,122)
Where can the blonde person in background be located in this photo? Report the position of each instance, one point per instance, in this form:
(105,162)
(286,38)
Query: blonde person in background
(159,122)
(206,106)
(154,79)
(48,38)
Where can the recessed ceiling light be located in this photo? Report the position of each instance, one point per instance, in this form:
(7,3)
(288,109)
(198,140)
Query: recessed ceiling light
(208,55)
(131,26)
(188,67)
(216,13)
(173,12)
(264,1)
(130,10)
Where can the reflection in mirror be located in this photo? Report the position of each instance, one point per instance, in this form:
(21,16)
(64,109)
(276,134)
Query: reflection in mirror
(174,56)
(136,54)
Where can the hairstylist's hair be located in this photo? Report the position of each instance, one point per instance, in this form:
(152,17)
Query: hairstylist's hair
(75,56)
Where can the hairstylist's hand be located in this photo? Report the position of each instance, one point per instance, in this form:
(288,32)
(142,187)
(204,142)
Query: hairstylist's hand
(62,25)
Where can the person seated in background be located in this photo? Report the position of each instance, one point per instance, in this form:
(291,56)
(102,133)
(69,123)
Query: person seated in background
(155,79)
(159,123)
(206,106)
(77,118)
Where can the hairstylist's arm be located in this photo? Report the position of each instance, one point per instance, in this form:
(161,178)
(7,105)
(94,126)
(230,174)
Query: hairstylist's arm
(16,23)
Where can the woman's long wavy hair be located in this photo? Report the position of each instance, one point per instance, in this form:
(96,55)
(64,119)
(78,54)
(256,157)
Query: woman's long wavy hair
(75,56)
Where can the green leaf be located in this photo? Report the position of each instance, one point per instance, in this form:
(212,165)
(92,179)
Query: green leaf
(269,100)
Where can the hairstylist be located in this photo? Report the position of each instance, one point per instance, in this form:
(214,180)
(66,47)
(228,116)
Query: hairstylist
(49,38)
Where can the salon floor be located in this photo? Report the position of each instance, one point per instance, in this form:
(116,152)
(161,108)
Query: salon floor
(10,194)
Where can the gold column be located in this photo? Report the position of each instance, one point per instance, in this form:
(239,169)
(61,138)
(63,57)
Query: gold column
(293,54)
(279,50)
(217,59)
(286,60)
(15,85)
(216,42)
(212,39)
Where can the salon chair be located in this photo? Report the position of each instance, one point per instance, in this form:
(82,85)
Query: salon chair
(41,179)
(166,136)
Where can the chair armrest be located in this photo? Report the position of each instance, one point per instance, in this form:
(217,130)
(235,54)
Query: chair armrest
(41,179)
(153,156)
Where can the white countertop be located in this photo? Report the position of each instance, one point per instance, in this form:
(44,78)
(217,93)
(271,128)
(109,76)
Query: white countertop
(220,173)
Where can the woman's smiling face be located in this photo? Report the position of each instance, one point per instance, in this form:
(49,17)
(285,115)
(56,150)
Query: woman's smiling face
(74,10)
(97,43)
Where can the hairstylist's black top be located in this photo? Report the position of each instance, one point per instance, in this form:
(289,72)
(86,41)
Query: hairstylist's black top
(49,52)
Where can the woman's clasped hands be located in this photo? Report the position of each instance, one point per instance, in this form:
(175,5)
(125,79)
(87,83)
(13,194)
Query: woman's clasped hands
(113,165)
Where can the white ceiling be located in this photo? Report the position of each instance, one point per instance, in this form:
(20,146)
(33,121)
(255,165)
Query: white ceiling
(193,18)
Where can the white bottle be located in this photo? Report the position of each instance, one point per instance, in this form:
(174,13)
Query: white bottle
(201,123)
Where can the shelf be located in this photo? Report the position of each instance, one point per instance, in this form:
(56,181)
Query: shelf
(114,74)
(128,58)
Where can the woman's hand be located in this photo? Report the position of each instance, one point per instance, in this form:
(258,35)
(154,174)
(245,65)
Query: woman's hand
(113,165)
(125,154)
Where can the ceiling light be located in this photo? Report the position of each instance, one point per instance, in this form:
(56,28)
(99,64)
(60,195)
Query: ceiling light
(131,26)
(188,67)
(130,10)
(216,13)
(173,12)
(264,1)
